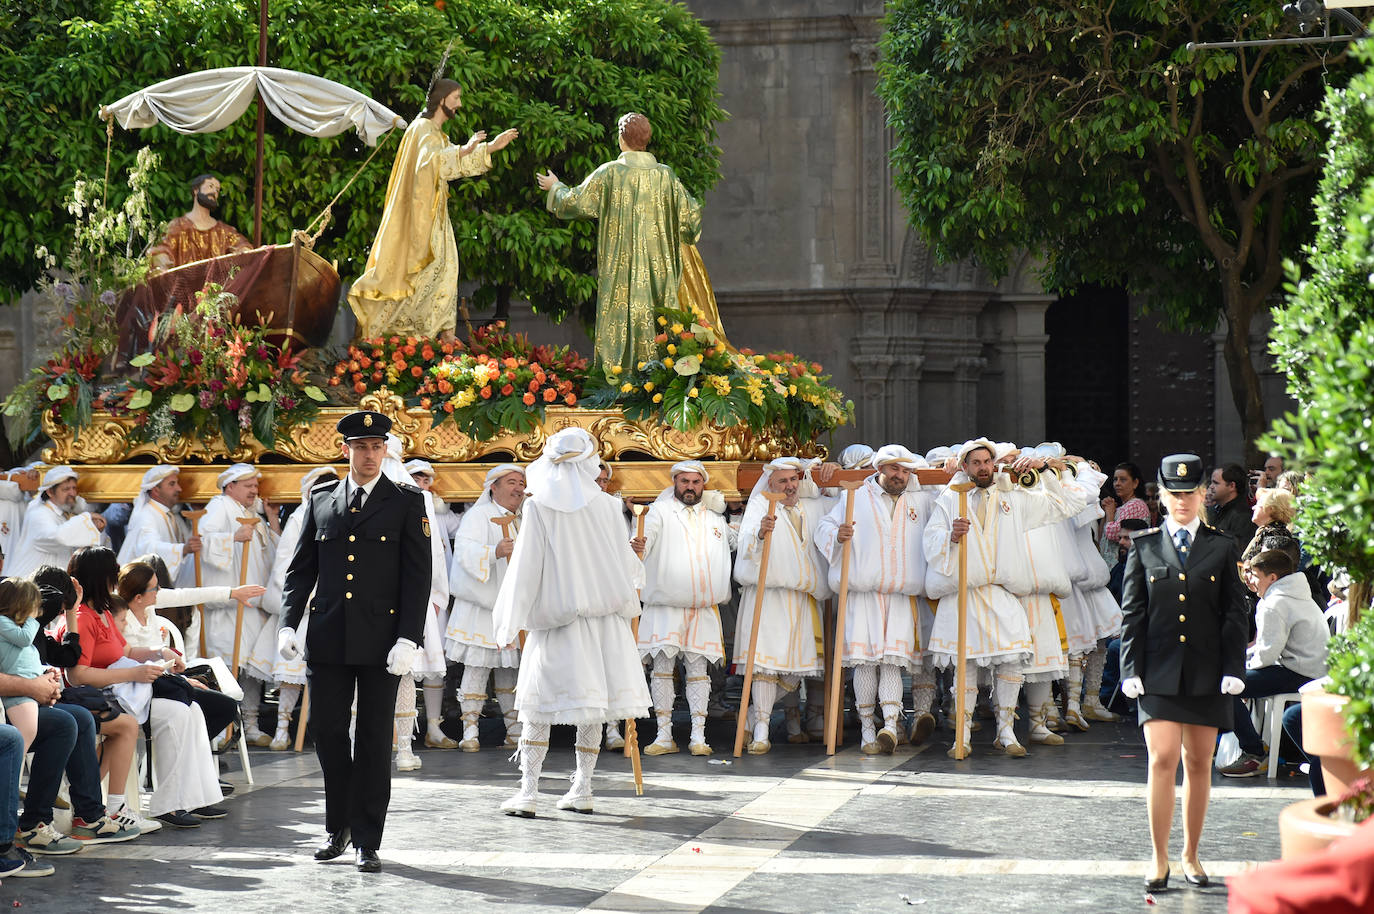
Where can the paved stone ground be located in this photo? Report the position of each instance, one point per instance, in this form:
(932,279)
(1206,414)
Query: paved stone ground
(1062,830)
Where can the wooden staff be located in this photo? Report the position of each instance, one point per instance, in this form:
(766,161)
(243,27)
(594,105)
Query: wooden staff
(305,715)
(631,728)
(248,522)
(504,523)
(960,675)
(832,703)
(194,517)
(773,499)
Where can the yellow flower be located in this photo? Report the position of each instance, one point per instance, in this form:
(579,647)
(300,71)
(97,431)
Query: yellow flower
(641,366)
(792,390)
(626,387)
(692,392)
(672,349)
(616,369)
(663,321)
(676,328)
(758,360)
(648,386)
(667,363)
(658,398)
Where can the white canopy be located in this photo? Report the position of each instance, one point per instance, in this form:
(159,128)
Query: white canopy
(210,100)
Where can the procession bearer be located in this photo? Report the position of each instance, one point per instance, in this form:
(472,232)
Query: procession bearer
(686,551)
(362,570)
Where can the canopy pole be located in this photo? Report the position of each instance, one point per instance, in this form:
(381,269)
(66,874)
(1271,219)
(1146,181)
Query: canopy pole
(262,127)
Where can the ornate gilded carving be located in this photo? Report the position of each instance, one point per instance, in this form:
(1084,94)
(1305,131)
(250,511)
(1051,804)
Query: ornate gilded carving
(107,439)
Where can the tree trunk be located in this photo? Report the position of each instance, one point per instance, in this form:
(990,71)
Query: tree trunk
(1357,601)
(502,304)
(1240,367)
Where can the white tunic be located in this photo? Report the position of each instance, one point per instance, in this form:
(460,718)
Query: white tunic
(50,536)
(13,501)
(887,570)
(475,576)
(1099,613)
(1046,547)
(790,621)
(430,662)
(686,577)
(572,586)
(263,661)
(155,530)
(220,561)
(998,630)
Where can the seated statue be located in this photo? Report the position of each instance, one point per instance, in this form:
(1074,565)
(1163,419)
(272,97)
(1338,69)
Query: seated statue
(198,235)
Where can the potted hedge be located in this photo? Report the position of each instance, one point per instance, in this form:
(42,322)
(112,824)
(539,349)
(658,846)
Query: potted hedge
(1338,727)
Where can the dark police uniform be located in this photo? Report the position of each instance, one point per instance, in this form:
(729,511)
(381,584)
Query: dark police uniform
(1183,621)
(370,573)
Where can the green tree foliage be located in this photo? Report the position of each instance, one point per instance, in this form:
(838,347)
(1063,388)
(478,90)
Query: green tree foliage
(559,70)
(1323,339)
(1084,131)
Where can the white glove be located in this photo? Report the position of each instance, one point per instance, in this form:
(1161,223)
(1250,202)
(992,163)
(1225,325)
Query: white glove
(1132,687)
(288,645)
(401,658)
(1230,685)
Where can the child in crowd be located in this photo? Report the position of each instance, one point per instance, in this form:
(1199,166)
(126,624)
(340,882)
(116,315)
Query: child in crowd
(19,605)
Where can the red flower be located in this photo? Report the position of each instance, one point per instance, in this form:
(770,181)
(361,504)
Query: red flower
(486,392)
(528,399)
(377,375)
(507,390)
(360,387)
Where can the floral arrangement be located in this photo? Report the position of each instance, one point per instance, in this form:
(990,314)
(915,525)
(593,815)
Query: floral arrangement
(401,363)
(1357,803)
(105,257)
(698,376)
(208,370)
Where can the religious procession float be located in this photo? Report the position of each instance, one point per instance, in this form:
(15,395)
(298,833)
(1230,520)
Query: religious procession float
(209,348)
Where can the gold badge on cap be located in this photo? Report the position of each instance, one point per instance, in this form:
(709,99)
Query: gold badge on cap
(367,420)
(1182,470)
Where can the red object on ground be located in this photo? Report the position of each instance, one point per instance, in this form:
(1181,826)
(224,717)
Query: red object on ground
(1337,880)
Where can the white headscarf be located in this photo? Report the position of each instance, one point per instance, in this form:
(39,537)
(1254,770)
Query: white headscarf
(151,480)
(54,476)
(495,473)
(564,476)
(690,466)
(237,473)
(895,453)
(391,463)
(309,479)
(711,499)
(757,507)
(856,457)
(419,466)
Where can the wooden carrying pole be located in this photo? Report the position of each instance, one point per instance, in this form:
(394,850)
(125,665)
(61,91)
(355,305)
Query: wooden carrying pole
(243,579)
(194,517)
(305,715)
(631,728)
(833,707)
(743,717)
(960,673)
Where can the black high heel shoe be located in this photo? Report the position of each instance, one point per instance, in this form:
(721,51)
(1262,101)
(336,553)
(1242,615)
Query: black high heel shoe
(1198,879)
(1158,885)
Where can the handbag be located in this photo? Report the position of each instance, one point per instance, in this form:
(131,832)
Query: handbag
(97,701)
(174,687)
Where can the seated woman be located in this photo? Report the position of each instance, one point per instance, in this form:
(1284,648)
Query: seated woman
(187,777)
(142,628)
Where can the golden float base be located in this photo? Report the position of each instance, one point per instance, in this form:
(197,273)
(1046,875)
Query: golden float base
(639,452)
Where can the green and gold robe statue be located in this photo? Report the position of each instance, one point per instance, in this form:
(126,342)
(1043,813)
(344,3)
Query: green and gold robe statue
(646,217)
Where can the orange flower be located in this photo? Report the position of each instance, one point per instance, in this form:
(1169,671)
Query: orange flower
(510,362)
(570,399)
(410,349)
(448,407)
(482,358)
(486,392)
(507,390)
(446,348)
(445,387)
(354,365)
(395,340)
(427,354)
(528,399)
(376,353)
(411,341)
(377,375)
(550,395)
(532,386)
(510,376)
(661,338)
(360,387)
(364,362)
(333,382)
(416,371)
(540,378)
(340,368)
(425,402)
(686,335)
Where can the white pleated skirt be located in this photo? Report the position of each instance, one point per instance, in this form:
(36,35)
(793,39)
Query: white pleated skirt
(587,671)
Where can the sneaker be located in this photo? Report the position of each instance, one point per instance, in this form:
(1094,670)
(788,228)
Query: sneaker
(1247,766)
(44,839)
(225,787)
(210,812)
(179,819)
(127,818)
(105,830)
(32,867)
(13,860)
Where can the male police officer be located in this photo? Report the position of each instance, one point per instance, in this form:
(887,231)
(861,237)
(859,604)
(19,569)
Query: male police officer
(364,553)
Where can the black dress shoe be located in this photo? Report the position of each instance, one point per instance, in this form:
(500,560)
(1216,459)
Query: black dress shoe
(1198,879)
(1158,885)
(368,861)
(336,845)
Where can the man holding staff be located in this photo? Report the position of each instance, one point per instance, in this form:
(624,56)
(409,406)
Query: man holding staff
(881,637)
(794,583)
(155,529)
(236,553)
(481,557)
(572,586)
(998,633)
(686,550)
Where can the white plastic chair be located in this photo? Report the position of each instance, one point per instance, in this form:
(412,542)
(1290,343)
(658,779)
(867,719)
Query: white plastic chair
(173,636)
(1267,714)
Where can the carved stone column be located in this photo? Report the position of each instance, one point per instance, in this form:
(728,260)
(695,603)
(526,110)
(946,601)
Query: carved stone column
(874,261)
(968,371)
(1027,357)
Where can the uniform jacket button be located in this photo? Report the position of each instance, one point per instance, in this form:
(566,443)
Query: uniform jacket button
(348,595)
(350,558)
(384,539)
(1182,597)
(1182,639)
(351,537)
(393,612)
(1182,576)
(348,577)
(1183,618)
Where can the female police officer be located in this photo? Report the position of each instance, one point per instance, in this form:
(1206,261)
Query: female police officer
(1182,654)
